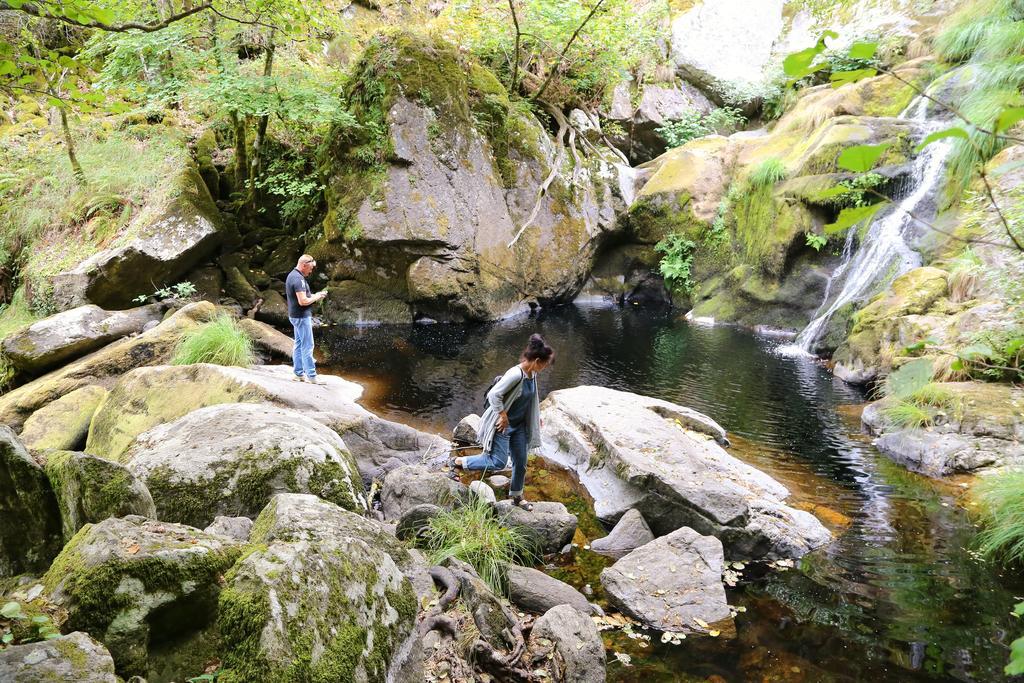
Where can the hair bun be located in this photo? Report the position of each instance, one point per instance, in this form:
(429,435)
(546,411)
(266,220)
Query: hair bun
(538,349)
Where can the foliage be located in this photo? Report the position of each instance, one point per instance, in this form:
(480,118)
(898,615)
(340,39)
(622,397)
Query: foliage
(909,378)
(994,354)
(220,341)
(298,190)
(1000,499)
(24,623)
(815,241)
(857,191)
(964,275)
(471,533)
(181,290)
(676,261)
(693,124)
(767,173)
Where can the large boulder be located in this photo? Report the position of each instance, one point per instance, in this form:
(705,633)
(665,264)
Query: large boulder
(673,583)
(134,583)
(349,617)
(90,489)
(410,485)
(535,591)
(29,517)
(629,533)
(657,105)
(161,252)
(547,528)
(106,366)
(267,339)
(74,658)
(64,424)
(68,335)
(239,456)
(568,644)
(665,461)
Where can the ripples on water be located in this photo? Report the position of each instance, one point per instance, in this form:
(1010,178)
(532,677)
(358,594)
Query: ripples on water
(897,597)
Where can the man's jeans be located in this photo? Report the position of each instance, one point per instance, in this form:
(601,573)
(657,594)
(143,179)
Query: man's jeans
(514,441)
(302,354)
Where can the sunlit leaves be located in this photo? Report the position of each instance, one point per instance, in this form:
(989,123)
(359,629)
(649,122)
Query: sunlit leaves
(1008,118)
(862,158)
(841,78)
(910,377)
(852,216)
(954,132)
(863,50)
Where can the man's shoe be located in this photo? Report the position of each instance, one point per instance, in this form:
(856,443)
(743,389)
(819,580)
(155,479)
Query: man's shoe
(316,380)
(300,378)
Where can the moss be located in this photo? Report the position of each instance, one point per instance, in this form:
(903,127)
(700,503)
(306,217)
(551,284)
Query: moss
(73,655)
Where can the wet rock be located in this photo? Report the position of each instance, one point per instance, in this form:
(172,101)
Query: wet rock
(568,644)
(410,485)
(671,582)
(548,527)
(74,658)
(274,309)
(275,627)
(629,533)
(415,520)
(65,336)
(239,456)
(134,583)
(483,491)
(238,287)
(29,517)
(665,461)
(267,338)
(535,591)
(237,528)
(465,432)
(90,489)
(63,424)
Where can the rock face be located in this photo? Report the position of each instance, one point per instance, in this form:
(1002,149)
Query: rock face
(64,424)
(133,583)
(671,582)
(658,104)
(161,252)
(535,591)
(237,528)
(349,618)
(29,518)
(568,643)
(630,532)
(240,456)
(460,174)
(662,459)
(548,527)
(68,335)
(985,429)
(90,489)
(267,338)
(104,367)
(75,658)
(465,432)
(410,485)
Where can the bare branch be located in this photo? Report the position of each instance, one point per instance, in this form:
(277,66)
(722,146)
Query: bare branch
(40,11)
(556,164)
(515,60)
(999,212)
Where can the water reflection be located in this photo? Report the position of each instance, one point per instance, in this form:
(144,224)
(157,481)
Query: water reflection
(896,597)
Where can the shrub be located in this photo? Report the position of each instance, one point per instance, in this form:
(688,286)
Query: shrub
(676,260)
(220,341)
(1000,499)
(471,533)
(693,125)
(767,173)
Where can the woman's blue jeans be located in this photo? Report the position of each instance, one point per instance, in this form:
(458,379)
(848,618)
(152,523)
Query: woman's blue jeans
(302,352)
(514,442)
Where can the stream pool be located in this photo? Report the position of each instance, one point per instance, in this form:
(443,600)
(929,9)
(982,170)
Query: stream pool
(898,596)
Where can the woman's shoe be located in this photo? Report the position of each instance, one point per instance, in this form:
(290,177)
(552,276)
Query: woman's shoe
(521,502)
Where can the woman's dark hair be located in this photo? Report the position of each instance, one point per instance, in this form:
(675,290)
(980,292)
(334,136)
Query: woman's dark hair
(538,349)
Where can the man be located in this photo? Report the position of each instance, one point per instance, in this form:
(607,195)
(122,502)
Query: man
(300,313)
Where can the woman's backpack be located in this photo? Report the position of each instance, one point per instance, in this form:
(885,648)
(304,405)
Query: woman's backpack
(497,378)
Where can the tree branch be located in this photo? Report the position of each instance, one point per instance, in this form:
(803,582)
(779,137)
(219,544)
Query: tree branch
(556,164)
(999,212)
(40,11)
(515,60)
(558,62)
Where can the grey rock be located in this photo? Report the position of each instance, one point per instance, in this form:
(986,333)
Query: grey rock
(548,527)
(72,334)
(274,309)
(535,591)
(499,481)
(465,432)
(658,104)
(482,491)
(267,338)
(492,617)
(238,287)
(90,489)
(29,518)
(630,532)
(237,528)
(74,658)
(121,556)
(414,520)
(568,643)
(671,582)
(410,485)
(239,456)
(665,461)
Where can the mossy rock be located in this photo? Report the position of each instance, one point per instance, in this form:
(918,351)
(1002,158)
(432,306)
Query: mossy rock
(132,583)
(91,489)
(240,456)
(349,617)
(29,517)
(74,657)
(64,424)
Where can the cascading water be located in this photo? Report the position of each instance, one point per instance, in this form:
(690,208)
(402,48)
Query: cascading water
(884,249)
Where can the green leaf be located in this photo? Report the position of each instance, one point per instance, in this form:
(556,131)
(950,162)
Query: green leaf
(1008,118)
(8,638)
(831,193)
(920,346)
(853,216)
(9,67)
(12,610)
(52,636)
(975,352)
(957,365)
(910,377)
(954,132)
(796,64)
(1018,610)
(841,78)
(863,50)
(861,158)
(40,619)
(1016,665)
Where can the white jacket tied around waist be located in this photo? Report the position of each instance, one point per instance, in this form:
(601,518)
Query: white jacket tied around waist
(501,396)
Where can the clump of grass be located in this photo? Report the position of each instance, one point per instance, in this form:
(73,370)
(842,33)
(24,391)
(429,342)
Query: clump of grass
(907,415)
(767,173)
(472,533)
(965,274)
(16,314)
(220,341)
(921,407)
(1000,499)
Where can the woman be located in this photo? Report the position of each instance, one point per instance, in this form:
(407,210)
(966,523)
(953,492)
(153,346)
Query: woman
(511,423)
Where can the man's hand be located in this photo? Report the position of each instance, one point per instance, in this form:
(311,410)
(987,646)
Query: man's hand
(502,421)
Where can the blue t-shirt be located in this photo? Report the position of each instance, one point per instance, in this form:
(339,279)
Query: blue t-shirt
(520,408)
(296,283)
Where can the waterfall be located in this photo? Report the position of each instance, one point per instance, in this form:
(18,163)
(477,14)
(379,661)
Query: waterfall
(884,250)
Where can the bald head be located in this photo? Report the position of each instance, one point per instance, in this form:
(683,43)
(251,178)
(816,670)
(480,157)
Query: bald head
(306,264)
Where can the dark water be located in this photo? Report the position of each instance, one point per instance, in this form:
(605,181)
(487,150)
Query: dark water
(897,597)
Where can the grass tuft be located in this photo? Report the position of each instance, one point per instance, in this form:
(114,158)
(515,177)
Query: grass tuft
(220,341)
(767,173)
(922,407)
(1000,499)
(907,415)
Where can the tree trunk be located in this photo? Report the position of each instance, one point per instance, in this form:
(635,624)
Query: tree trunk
(241,151)
(256,165)
(76,167)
